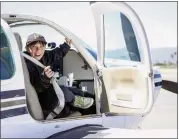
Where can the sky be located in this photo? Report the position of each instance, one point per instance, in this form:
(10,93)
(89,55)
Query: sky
(158,18)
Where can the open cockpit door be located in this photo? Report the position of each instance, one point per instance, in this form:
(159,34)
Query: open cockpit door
(124,59)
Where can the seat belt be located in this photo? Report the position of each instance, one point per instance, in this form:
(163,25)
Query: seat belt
(56,87)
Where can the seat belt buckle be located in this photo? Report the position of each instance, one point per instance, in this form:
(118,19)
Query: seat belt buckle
(56,75)
(63,81)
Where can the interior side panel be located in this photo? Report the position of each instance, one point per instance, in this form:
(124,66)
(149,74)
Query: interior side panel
(74,63)
(118,83)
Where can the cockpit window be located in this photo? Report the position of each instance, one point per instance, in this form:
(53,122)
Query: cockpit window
(7,67)
(120,39)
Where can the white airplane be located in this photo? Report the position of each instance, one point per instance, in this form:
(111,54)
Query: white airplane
(125,90)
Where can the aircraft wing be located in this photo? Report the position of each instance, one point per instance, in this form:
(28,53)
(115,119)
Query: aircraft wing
(168,77)
(97,131)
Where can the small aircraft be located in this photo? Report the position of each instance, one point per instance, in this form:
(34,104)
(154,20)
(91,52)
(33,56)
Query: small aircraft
(125,89)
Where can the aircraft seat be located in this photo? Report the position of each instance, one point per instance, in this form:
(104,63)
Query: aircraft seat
(33,103)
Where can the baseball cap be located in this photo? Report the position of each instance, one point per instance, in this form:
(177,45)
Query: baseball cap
(34,38)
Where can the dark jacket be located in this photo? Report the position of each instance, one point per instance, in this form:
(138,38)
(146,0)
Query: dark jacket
(41,82)
(37,78)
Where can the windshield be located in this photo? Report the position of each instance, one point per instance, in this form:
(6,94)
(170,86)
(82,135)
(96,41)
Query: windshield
(6,59)
(88,48)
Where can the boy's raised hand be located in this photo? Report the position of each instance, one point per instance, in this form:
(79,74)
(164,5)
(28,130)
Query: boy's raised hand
(68,41)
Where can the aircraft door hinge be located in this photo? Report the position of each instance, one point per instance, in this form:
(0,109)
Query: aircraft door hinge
(99,73)
(151,74)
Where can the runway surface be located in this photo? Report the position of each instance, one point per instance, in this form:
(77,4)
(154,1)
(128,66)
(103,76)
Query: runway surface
(164,112)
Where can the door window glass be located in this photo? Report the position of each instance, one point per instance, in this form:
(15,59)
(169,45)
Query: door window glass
(120,39)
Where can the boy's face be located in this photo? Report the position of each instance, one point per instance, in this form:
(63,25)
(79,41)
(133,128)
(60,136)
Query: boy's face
(36,50)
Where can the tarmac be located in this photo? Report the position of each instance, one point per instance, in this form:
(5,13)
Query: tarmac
(164,113)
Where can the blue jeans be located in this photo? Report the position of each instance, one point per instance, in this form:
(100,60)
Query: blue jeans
(69,94)
(49,100)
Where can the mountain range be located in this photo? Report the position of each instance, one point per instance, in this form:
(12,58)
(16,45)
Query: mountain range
(159,55)
(162,55)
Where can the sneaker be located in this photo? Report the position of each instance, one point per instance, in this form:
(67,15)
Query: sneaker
(83,102)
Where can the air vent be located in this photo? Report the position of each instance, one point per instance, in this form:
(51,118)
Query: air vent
(12,15)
